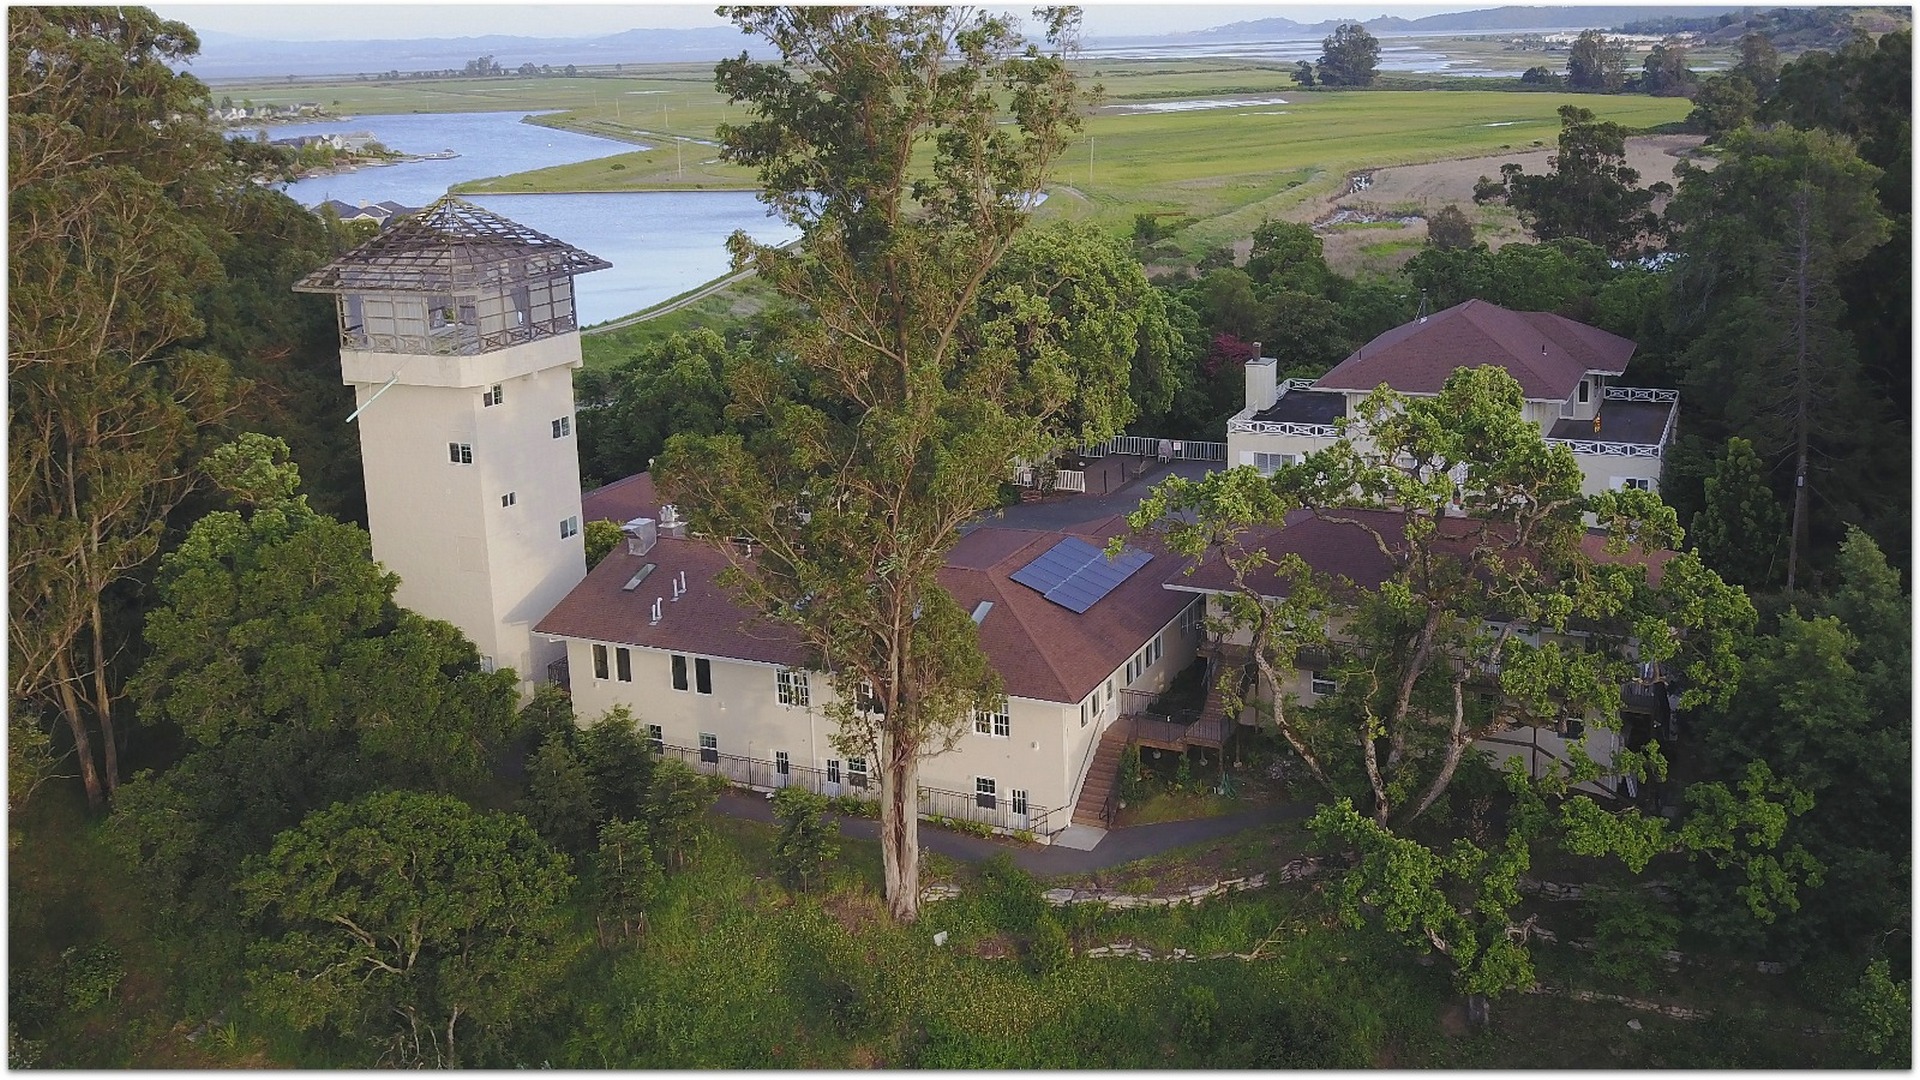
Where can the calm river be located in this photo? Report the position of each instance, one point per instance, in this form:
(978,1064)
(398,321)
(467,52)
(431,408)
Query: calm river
(660,243)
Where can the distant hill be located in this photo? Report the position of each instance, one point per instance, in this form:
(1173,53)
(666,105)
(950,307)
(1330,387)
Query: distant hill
(1487,20)
(228,57)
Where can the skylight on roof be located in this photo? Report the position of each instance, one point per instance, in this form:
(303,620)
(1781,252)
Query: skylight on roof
(1076,575)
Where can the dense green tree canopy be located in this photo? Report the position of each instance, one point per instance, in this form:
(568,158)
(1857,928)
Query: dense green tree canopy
(1767,235)
(411,924)
(1589,193)
(1348,56)
(1596,63)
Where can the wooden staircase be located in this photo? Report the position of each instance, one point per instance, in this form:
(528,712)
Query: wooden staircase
(1102,775)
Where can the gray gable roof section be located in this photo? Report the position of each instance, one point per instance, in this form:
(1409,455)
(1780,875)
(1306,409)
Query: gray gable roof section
(1548,355)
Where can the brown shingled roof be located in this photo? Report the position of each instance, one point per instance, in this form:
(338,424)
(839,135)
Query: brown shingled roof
(1041,650)
(622,500)
(1547,354)
(1345,550)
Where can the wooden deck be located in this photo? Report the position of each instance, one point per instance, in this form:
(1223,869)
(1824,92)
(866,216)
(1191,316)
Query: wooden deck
(1208,731)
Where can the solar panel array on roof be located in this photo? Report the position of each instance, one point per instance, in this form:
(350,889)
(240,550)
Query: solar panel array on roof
(1076,575)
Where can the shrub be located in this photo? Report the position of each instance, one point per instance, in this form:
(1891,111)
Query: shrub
(92,974)
(1630,932)
(805,842)
(1879,1015)
(1129,787)
(1049,950)
(1199,1007)
(1009,896)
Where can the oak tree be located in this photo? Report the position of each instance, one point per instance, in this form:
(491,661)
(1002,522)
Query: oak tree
(412,923)
(906,145)
(1348,56)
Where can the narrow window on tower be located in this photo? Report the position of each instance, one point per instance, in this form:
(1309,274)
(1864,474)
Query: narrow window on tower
(460,453)
(493,396)
(563,427)
(570,527)
(509,499)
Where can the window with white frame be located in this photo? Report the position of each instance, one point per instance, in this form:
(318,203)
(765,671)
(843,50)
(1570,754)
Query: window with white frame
(782,765)
(702,675)
(493,396)
(460,453)
(857,772)
(790,684)
(1192,618)
(509,499)
(599,661)
(1633,483)
(1083,711)
(1153,652)
(984,790)
(656,738)
(1020,802)
(709,747)
(833,770)
(679,672)
(996,722)
(1323,683)
(570,527)
(563,427)
(623,664)
(1269,463)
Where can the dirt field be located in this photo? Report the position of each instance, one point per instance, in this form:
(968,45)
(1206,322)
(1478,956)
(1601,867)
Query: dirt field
(1417,189)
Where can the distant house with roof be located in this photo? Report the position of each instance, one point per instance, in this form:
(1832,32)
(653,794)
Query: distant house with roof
(380,213)
(1568,373)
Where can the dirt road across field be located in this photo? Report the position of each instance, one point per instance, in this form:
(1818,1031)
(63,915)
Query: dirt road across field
(1415,190)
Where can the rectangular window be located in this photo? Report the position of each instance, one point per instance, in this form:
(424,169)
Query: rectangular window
(1020,802)
(833,770)
(460,453)
(1154,650)
(1584,392)
(679,672)
(1109,695)
(703,675)
(857,772)
(791,686)
(782,766)
(1269,463)
(563,427)
(1083,714)
(997,722)
(623,664)
(709,747)
(1133,665)
(599,661)
(509,499)
(983,793)
(1323,684)
(492,397)
(1636,483)
(655,739)
(570,527)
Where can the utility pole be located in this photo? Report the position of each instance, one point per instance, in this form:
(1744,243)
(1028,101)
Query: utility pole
(1089,161)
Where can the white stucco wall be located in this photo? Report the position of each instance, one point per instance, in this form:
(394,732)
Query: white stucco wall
(491,569)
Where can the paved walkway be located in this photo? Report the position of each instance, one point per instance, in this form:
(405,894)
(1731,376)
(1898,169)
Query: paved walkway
(1118,847)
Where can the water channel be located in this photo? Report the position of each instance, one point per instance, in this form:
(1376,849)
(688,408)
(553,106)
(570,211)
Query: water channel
(661,243)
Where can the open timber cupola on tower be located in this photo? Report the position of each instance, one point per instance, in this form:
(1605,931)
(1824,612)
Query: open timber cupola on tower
(454,279)
(459,337)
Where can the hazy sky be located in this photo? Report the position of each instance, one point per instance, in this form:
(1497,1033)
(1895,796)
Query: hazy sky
(348,20)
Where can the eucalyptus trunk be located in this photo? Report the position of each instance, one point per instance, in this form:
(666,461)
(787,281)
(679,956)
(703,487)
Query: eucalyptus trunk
(899,831)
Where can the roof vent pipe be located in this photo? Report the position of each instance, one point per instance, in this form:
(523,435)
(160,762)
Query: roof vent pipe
(656,611)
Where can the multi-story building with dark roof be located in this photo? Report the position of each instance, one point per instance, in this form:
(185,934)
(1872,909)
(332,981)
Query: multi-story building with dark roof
(1568,373)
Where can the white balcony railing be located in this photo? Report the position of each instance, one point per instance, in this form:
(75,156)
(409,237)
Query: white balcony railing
(1282,427)
(1642,393)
